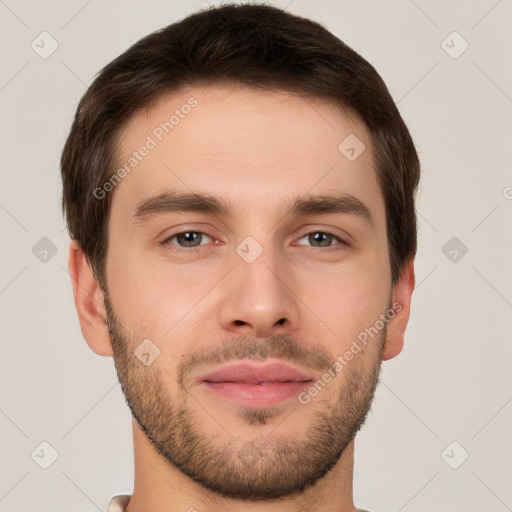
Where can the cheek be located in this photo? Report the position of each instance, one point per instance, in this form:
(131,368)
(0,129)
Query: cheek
(153,297)
(350,300)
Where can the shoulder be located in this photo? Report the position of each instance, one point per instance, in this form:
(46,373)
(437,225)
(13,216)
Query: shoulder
(117,503)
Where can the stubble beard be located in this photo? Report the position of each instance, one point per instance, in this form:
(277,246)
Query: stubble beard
(271,466)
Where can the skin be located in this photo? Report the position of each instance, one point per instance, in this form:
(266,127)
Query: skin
(296,302)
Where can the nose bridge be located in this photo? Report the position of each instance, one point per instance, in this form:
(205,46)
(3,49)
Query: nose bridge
(259,264)
(257,269)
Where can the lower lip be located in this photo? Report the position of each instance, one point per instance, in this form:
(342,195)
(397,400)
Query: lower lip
(258,395)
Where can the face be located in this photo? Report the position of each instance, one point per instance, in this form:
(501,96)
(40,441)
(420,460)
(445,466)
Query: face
(233,313)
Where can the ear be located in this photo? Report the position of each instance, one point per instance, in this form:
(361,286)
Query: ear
(401,303)
(89,302)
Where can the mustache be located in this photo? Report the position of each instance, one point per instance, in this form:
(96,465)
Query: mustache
(288,348)
(279,347)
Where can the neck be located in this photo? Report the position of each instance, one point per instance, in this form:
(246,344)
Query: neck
(161,486)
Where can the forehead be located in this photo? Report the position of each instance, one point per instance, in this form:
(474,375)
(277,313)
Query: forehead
(248,145)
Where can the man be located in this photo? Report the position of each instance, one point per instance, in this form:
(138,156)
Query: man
(239,188)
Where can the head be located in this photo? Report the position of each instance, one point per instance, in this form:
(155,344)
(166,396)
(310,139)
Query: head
(198,163)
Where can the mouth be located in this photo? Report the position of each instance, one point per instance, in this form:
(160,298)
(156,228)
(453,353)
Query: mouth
(253,384)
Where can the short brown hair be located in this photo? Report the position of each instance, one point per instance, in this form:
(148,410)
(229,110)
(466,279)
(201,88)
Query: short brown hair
(254,45)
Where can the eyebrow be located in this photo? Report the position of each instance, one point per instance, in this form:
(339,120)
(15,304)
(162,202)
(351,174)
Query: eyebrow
(169,202)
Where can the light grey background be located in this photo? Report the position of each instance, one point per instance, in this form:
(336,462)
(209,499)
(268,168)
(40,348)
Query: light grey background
(452,381)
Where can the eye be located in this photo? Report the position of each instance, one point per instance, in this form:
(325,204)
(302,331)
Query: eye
(186,239)
(191,239)
(323,239)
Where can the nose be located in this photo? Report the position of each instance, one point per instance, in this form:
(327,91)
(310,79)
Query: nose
(259,298)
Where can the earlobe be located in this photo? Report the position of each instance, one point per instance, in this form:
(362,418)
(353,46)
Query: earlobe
(89,302)
(401,303)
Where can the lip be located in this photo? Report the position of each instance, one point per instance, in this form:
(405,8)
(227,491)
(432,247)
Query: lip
(255,384)
(253,372)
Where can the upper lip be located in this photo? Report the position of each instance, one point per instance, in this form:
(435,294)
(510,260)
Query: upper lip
(251,372)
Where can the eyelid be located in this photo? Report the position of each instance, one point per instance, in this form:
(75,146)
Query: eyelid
(184,228)
(341,240)
(342,235)
(167,239)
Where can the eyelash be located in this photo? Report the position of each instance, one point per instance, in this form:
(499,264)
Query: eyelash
(337,247)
